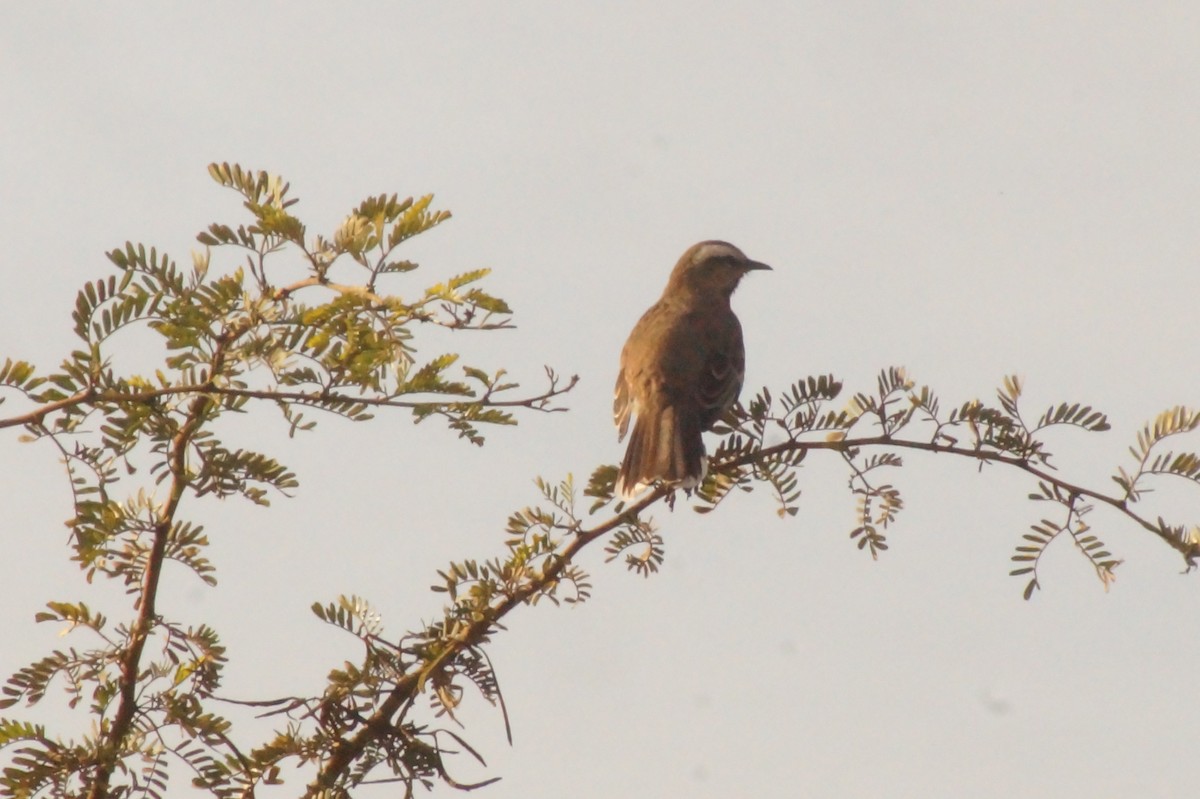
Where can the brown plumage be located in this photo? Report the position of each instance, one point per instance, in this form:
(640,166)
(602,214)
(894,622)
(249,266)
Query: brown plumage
(681,368)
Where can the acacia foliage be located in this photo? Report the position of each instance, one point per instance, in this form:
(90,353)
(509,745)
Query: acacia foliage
(767,442)
(267,318)
(319,342)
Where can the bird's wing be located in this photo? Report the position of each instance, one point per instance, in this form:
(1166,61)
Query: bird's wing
(721,378)
(621,405)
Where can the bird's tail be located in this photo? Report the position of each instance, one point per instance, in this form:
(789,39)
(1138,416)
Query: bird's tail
(665,445)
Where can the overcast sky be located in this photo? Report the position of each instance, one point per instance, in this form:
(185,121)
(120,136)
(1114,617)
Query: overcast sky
(966,192)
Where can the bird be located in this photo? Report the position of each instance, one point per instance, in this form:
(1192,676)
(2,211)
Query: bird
(681,369)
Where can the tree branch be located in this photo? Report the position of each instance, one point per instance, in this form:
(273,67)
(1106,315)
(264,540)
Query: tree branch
(380,723)
(845,445)
(147,616)
(94,397)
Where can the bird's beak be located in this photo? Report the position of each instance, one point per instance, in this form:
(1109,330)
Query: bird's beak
(755,265)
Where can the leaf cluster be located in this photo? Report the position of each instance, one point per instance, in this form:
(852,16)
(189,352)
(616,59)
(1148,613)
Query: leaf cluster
(766,443)
(239,327)
(372,703)
(171,724)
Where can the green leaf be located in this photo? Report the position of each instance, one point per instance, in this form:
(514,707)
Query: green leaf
(1080,415)
(18,374)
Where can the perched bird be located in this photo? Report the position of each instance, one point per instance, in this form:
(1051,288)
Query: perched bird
(681,368)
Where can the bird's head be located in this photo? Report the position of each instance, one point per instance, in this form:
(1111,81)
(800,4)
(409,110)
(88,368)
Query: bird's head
(711,267)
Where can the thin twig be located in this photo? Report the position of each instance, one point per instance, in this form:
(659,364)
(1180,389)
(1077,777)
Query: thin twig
(94,397)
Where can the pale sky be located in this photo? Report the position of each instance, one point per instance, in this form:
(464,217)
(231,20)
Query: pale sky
(965,192)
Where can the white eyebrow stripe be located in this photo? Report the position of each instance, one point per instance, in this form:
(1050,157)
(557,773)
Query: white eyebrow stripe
(717,249)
